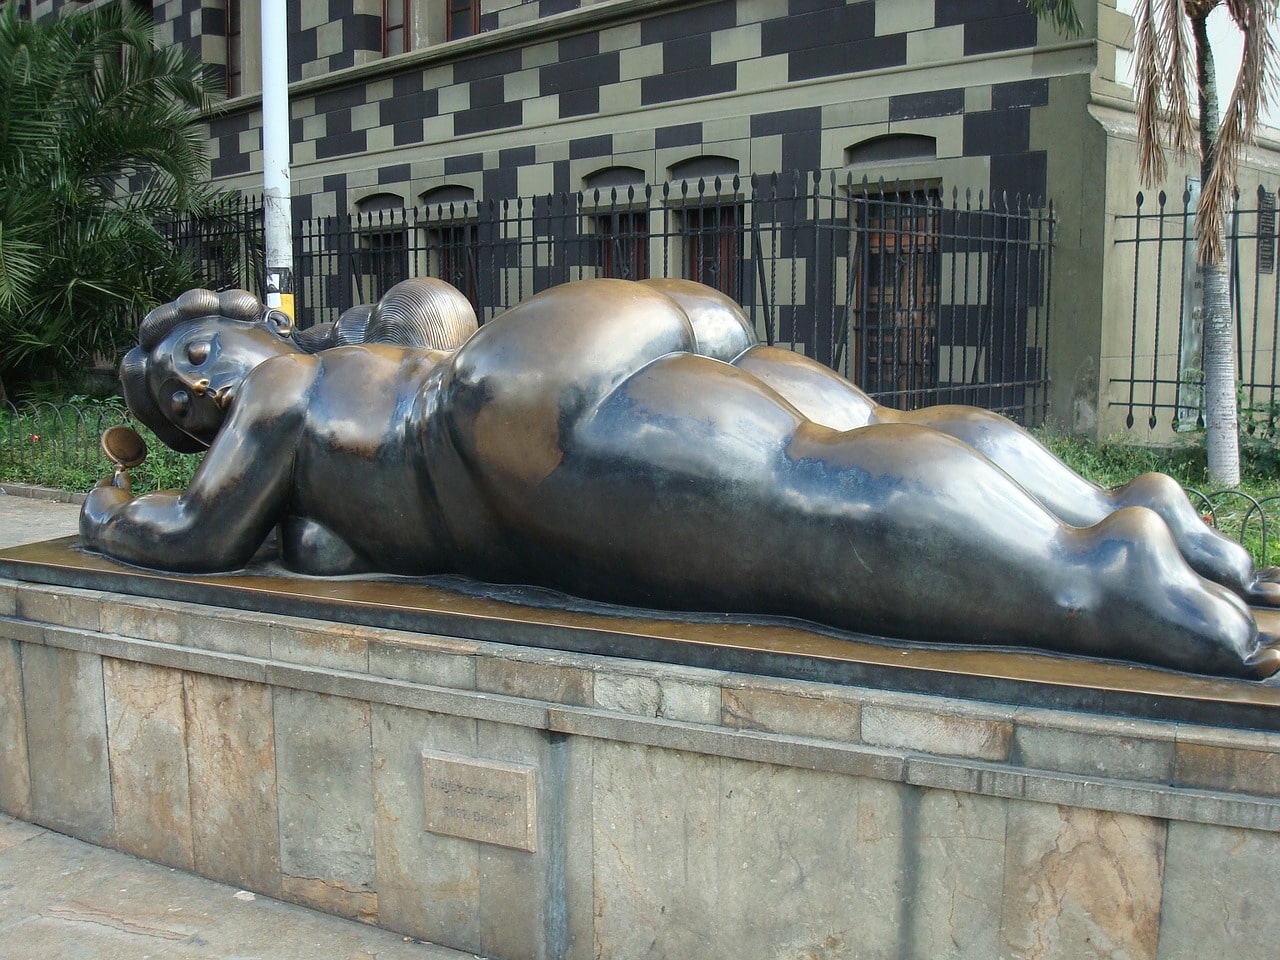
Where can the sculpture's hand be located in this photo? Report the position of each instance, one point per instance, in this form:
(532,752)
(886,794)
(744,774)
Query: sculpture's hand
(236,495)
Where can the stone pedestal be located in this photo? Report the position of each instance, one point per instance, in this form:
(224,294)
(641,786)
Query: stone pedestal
(525,802)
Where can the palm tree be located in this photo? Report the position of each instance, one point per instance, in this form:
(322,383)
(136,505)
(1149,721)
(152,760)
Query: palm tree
(99,144)
(1172,62)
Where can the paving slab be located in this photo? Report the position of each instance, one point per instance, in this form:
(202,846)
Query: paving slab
(26,519)
(61,898)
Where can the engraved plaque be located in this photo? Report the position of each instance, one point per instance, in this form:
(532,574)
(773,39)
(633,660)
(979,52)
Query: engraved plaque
(487,800)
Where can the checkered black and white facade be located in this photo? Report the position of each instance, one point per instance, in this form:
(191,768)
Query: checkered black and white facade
(551,93)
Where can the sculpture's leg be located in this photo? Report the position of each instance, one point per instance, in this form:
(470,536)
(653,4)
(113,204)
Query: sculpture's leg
(693,486)
(827,398)
(1079,502)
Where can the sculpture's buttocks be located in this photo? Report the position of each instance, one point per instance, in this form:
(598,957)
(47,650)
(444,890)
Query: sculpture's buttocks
(517,390)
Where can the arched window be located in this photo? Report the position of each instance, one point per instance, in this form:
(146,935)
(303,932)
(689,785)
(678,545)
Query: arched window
(382,257)
(892,148)
(712,220)
(450,235)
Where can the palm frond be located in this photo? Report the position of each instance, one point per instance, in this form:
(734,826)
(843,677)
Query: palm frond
(89,109)
(1253,93)
(1162,61)
(1061,14)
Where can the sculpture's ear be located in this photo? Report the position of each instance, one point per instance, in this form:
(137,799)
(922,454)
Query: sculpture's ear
(279,323)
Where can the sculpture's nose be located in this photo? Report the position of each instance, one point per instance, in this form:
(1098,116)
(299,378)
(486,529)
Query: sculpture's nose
(199,387)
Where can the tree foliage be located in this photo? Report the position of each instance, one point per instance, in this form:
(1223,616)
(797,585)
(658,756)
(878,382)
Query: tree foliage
(1177,102)
(99,145)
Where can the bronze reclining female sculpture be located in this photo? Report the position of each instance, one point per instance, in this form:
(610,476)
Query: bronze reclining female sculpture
(630,442)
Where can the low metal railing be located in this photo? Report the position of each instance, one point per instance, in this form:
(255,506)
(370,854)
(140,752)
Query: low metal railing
(58,445)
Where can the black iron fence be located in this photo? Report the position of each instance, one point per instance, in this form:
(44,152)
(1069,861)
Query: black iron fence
(1164,379)
(918,298)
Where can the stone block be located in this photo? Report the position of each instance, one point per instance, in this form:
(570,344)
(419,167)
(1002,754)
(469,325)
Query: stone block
(715,857)
(447,664)
(902,16)
(775,711)
(772,860)
(229,631)
(1094,753)
(146,735)
(952,873)
(530,679)
(1213,766)
(1217,893)
(8,599)
(462,893)
(1082,884)
(325,801)
(333,646)
(60,606)
(655,829)
(235,830)
(15,779)
(428,885)
(689,702)
(627,693)
(935,733)
(22,631)
(141,618)
(67,742)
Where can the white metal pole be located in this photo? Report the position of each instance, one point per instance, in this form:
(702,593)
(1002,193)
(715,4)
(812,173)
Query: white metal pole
(277,209)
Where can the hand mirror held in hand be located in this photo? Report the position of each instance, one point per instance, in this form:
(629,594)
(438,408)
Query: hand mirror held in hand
(126,449)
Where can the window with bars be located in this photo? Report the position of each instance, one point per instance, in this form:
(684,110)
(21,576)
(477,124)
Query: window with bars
(622,244)
(897,264)
(713,246)
(453,250)
(383,260)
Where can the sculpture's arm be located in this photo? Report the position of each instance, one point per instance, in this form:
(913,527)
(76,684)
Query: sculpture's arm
(235,497)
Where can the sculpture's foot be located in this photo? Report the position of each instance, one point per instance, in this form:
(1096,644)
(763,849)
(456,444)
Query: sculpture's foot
(1264,591)
(1264,663)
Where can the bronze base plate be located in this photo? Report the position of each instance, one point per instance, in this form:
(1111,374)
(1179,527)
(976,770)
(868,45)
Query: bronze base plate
(777,647)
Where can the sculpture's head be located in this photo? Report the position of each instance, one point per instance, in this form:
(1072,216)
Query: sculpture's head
(192,356)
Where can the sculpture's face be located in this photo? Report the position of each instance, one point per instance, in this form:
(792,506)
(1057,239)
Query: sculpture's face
(196,370)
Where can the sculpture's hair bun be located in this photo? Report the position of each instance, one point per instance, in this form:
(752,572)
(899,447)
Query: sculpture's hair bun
(422,312)
(239,305)
(351,326)
(197,303)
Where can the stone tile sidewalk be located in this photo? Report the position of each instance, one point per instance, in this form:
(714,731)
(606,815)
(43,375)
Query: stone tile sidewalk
(61,899)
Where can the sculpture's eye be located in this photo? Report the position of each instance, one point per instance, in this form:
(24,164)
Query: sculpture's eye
(180,403)
(198,352)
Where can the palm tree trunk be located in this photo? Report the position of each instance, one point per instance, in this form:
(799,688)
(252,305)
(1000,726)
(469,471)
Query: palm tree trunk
(1221,426)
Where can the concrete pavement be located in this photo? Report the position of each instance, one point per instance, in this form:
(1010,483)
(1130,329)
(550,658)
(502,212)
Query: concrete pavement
(61,899)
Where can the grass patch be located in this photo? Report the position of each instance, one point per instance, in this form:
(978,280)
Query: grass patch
(57,445)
